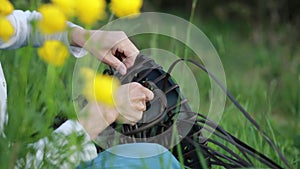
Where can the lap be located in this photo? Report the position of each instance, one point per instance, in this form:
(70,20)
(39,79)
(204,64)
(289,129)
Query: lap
(134,156)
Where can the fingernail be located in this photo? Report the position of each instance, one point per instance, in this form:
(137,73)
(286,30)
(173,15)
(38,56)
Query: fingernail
(122,70)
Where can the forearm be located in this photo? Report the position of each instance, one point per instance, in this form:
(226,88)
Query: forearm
(77,36)
(95,118)
(26,34)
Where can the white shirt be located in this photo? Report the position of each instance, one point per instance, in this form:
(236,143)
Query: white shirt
(23,32)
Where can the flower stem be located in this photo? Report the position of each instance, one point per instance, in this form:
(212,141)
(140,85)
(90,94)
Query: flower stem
(188,35)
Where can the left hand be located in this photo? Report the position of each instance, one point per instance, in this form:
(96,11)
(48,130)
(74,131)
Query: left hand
(105,44)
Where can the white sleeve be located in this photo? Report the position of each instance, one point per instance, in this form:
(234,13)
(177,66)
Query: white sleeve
(24,34)
(57,152)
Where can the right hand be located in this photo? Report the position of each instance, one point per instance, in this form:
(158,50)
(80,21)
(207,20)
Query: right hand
(130,101)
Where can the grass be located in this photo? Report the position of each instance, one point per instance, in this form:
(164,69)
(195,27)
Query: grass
(264,76)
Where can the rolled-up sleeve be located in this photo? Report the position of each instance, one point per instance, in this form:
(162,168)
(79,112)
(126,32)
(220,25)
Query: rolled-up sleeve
(24,34)
(19,20)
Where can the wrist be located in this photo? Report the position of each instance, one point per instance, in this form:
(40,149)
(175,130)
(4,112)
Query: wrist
(110,115)
(95,118)
(78,36)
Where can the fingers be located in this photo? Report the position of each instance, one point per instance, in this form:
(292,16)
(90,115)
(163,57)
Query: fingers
(131,101)
(148,93)
(128,51)
(105,44)
(139,96)
(115,63)
(138,103)
(142,91)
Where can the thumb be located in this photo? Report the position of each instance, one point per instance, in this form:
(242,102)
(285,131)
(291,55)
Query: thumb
(149,94)
(121,68)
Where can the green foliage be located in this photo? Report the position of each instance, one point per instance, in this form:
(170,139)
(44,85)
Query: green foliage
(37,94)
(261,64)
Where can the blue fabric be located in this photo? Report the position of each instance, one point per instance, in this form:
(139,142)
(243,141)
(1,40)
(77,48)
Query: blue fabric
(134,156)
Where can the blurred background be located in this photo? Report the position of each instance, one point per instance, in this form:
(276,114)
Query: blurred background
(258,44)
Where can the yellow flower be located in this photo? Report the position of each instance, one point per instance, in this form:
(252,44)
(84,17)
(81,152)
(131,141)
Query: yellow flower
(89,11)
(5,7)
(99,87)
(125,7)
(7,30)
(53,52)
(66,6)
(53,20)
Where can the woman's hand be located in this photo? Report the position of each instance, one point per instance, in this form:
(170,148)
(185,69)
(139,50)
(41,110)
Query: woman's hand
(130,103)
(130,100)
(105,45)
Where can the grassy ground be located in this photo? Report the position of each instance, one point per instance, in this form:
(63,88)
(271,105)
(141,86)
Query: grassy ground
(263,73)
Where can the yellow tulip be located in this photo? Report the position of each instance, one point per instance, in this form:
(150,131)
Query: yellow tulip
(7,30)
(98,87)
(89,11)
(5,7)
(53,52)
(66,6)
(53,19)
(125,7)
